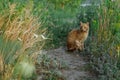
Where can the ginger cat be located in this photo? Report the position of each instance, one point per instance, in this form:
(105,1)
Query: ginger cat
(76,38)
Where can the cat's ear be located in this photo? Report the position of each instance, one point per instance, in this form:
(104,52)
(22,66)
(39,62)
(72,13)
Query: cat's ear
(81,23)
(87,23)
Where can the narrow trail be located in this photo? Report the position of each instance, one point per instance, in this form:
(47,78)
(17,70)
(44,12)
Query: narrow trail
(76,64)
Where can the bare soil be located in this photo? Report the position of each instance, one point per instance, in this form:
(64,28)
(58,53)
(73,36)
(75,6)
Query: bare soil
(76,64)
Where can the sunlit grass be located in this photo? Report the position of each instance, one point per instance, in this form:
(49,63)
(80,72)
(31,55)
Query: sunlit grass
(18,33)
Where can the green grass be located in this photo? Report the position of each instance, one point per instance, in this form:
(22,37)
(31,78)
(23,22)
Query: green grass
(104,41)
(18,34)
(58,21)
(54,19)
(51,67)
(19,41)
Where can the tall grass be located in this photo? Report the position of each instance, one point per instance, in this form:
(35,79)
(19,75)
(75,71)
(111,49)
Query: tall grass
(18,34)
(104,44)
(57,20)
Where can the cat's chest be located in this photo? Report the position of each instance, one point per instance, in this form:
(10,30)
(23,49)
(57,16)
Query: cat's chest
(82,36)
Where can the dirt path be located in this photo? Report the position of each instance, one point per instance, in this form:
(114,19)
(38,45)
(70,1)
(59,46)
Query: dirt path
(76,64)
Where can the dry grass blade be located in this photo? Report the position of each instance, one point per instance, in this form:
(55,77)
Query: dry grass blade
(19,33)
(1,64)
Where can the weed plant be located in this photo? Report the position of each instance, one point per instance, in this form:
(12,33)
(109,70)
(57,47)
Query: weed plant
(18,34)
(104,39)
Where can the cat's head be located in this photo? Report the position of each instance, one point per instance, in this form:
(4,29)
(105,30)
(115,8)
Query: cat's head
(84,26)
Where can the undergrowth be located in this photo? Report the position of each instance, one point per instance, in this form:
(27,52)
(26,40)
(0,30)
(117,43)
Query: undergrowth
(57,20)
(22,21)
(103,43)
(18,34)
(50,68)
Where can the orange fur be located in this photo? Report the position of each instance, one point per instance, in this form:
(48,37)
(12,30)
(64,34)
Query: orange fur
(76,38)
